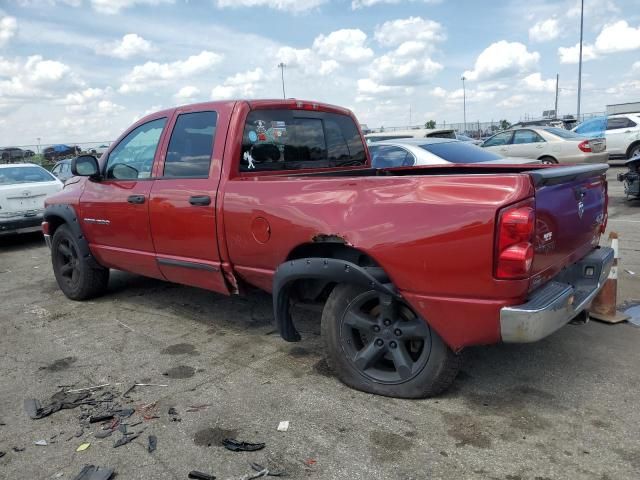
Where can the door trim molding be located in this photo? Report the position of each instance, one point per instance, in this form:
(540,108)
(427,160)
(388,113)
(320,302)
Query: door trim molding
(184,264)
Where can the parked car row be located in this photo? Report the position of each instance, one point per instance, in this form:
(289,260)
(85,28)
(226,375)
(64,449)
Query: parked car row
(622,132)
(14,154)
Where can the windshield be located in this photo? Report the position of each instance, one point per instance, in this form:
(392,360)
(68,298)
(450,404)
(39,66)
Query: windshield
(562,133)
(593,128)
(460,152)
(14,175)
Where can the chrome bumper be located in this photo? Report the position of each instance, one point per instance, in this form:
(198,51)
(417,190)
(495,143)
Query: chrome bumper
(559,301)
(47,240)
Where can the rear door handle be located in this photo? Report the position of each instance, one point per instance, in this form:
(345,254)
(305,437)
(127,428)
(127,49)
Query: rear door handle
(200,200)
(136,199)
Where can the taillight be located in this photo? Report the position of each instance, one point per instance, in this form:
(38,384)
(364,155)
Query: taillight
(514,240)
(605,213)
(45,228)
(585,146)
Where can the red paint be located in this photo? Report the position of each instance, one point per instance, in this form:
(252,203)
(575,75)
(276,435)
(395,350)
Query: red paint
(433,233)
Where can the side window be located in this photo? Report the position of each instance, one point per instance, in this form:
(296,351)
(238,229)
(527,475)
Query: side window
(133,157)
(191,145)
(526,136)
(499,139)
(56,170)
(617,123)
(298,139)
(388,156)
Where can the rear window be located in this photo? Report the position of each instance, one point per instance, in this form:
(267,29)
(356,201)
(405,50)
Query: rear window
(379,138)
(14,175)
(460,152)
(445,134)
(562,133)
(297,139)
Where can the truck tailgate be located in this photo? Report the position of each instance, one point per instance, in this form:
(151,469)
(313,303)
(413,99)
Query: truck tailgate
(571,210)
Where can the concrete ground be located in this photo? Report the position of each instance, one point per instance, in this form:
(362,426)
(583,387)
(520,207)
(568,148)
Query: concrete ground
(564,408)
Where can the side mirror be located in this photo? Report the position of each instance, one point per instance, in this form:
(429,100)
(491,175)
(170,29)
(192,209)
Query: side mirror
(85,166)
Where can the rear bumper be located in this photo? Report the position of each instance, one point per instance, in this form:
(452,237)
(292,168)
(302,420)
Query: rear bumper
(556,303)
(21,224)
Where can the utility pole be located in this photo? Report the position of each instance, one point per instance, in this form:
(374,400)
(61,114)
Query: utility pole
(464,104)
(580,60)
(557,81)
(409,115)
(281,65)
(38,145)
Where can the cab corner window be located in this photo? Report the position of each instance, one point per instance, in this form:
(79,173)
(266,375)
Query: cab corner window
(191,145)
(133,157)
(294,139)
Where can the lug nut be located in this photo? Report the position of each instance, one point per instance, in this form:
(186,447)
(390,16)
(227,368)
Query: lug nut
(393,344)
(379,342)
(376,328)
(397,332)
(387,322)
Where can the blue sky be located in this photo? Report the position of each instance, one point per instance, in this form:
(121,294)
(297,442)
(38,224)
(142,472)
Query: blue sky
(83,70)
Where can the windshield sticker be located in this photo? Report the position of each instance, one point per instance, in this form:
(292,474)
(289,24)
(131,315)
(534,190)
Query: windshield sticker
(253,136)
(249,159)
(278,129)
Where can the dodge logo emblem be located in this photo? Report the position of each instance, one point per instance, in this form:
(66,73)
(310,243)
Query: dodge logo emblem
(580,209)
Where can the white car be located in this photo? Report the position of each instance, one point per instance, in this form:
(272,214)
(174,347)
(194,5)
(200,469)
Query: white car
(413,133)
(549,145)
(23,189)
(433,151)
(622,133)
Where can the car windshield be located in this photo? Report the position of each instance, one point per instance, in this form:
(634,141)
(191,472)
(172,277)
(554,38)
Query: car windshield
(464,138)
(460,152)
(562,133)
(14,175)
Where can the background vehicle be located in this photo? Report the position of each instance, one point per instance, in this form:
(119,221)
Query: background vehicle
(631,177)
(62,170)
(57,152)
(13,154)
(411,265)
(622,133)
(415,133)
(549,145)
(23,189)
(433,151)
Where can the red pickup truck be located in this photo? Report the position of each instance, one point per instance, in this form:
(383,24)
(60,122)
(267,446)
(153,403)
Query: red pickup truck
(411,264)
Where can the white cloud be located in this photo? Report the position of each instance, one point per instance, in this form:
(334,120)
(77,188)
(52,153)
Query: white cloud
(416,29)
(535,83)
(143,77)
(328,66)
(544,30)
(636,66)
(438,92)
(346,45)
(592,8)
(131,45)
(513,101)
(240,85)
(355,4)
(410,48)
(295,6)
(8,28)
(34,77)
(112,7)
(389,70)
(458,95)
(618,37)
(187,92)
(503,59)
(77,102)
(107,107)
(572,54)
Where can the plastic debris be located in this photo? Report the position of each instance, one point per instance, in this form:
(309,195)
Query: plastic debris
(91,472)
(2,454)
(40,443)
(172,411)
(125,439)
(88,389)
(283,426)
(200,476)
(153,443)
(18,449)
(238,446)
(263,472)
(83,447)
(629,272)
(100,418)
(58,401)
(310,462)
(103,434)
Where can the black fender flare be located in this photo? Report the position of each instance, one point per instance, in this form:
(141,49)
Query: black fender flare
(331,269)
(68,214)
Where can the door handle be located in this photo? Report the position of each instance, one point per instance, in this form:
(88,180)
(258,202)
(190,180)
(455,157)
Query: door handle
(200,200)
(136,199)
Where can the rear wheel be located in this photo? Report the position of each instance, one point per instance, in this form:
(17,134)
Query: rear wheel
(548,160)
(77,279)
(634,151)
(377,344)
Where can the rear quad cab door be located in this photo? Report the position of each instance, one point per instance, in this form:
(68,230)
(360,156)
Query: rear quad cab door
(182,208)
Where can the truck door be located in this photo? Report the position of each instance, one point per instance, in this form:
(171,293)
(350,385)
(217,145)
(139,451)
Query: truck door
(114,212)
(182,208)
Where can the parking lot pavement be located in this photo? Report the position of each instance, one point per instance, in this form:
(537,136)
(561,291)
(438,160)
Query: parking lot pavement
(563,408)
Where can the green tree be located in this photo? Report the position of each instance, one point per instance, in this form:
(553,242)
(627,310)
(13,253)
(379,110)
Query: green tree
(430,124)
(504,124)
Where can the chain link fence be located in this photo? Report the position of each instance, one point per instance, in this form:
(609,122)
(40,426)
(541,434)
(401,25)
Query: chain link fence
(48,154)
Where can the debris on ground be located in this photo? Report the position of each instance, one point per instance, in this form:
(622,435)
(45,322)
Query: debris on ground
(91,472)
(238,446)
(263,472)
(83,447)
(198,408)
(200,476)
(283,426)
(153,443)
(173,414)
(2,454)
(40,443)
(125,439)
(58,401)
(18,449)
(88,389)
(100,418)
(310,462)
(172,411)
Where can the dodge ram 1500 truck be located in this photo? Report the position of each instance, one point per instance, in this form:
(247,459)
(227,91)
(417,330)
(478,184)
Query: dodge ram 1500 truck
(412,264)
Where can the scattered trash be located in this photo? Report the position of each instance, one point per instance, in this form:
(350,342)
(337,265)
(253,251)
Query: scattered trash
(18,449)
(237,446)
(100,418)
(58,401)
(91,472)
(283,426)
(135,424)
(172,411)
(79,433)
(310,462)
(200,476)
(629,272)
(83,447)
(40,443)
(125,439)
(153,443)
(126,326)
(103,434)
(264,472)
(88,389)
(150,385)
(125,412)
(2,454)
(198,408)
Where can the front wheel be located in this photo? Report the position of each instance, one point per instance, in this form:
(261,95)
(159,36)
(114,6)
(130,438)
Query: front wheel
(76,277)
(634,151)
(377,344)
(549,161)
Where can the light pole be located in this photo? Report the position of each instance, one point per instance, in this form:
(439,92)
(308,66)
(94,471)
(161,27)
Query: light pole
(38,145)
(281,65)
(580,59)
(464,105)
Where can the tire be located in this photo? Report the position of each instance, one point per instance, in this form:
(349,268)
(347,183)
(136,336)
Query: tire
(353,326)
(634,150)
(548,160)
(77,279)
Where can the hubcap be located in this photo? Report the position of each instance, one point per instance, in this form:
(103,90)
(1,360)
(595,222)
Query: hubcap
(68,262)
(384,339)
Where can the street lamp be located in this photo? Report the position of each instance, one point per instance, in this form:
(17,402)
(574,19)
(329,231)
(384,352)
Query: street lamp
(464,104)
(580,60)
(281,65)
